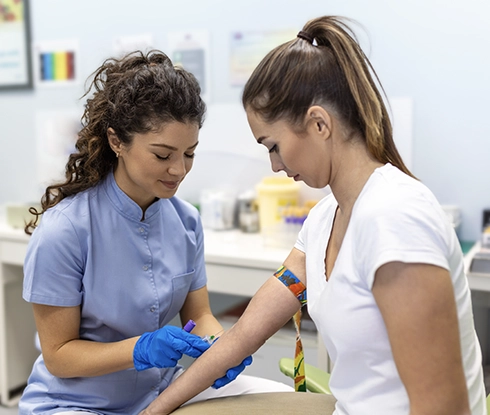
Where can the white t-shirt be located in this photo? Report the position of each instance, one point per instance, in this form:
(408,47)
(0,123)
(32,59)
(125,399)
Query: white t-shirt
(395,218)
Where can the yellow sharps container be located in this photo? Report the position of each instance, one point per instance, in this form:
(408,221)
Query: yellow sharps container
(274,194)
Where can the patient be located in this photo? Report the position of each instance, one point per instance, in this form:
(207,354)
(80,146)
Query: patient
(382,264)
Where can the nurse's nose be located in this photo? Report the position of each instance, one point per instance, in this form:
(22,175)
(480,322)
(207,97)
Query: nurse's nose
(178,167)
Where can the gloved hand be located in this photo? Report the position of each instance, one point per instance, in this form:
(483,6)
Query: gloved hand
(164,347)
(232,373)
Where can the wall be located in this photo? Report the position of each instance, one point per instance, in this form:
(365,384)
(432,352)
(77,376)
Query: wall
(434,51)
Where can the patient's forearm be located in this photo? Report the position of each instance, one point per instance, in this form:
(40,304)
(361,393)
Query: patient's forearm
(227,352)
(269,310)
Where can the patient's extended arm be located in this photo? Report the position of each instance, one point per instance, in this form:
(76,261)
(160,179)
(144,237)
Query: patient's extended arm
(271,307)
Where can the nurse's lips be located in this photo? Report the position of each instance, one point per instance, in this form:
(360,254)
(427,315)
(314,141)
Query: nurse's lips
(170,185)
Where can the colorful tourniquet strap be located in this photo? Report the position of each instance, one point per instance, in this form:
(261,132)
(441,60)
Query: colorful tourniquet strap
(299,357)
(299,290)
(293,283)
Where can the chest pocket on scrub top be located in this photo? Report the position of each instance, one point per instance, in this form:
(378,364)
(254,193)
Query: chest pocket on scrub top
(180,288)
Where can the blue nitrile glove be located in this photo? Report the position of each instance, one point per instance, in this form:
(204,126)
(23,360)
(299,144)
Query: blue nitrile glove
(231,374)
(164,347)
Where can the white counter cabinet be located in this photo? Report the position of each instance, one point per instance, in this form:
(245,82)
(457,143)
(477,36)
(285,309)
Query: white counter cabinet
(239,263)
(17,328)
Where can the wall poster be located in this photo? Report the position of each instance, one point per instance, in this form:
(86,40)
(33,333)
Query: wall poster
(15,39)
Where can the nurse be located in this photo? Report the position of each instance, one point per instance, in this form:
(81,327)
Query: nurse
(382,265)
(117,256)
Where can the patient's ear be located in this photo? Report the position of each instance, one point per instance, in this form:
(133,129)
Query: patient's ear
(319,122)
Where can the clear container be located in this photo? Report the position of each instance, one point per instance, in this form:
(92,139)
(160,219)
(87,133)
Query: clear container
(217,209)
(248,215)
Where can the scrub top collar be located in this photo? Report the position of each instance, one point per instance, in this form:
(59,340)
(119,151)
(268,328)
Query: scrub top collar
(124,204)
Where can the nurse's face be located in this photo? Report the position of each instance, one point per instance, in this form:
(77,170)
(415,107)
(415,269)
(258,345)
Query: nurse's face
(155,163)
(300,157)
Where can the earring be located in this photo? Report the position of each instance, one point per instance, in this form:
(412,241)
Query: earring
(117,155)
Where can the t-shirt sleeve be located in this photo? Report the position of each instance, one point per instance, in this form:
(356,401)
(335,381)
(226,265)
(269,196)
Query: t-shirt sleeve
(53,267)
(404,229)
(300,240)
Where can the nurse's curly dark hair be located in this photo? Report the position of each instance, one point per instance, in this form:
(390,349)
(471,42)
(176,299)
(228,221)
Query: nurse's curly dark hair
(132,95)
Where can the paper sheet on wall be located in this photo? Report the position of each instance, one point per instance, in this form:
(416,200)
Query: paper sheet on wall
(56,133)
(226,130)
(227,156)
(126,44)
(191,50)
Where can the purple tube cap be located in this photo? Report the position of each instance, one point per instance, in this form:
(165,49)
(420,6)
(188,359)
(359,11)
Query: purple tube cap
(189,326)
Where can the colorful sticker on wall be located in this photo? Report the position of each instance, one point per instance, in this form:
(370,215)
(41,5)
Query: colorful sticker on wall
(249,48)
(56,63)
(57,66)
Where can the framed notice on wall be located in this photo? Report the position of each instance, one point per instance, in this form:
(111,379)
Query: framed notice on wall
(15,39)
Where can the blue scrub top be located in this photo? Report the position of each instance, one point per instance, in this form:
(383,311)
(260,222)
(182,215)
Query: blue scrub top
(128,276)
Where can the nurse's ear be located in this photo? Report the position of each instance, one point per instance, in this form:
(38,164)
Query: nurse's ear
(114,142)
(319,122)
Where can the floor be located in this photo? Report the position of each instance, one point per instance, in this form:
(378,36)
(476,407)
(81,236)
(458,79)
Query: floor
(265,363)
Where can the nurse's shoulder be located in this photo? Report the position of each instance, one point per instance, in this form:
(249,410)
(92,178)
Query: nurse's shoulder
(187,213)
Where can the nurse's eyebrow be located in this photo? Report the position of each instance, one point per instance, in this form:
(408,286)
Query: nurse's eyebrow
(171,147)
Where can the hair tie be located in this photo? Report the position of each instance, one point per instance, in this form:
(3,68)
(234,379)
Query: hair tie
(303,35)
